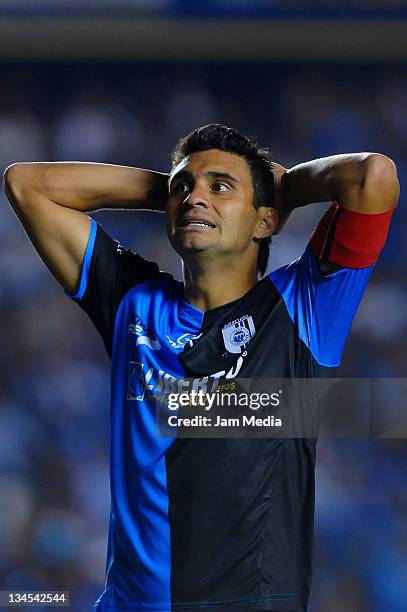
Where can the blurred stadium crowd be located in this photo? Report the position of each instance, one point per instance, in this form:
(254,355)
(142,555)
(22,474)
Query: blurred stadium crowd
(54,381)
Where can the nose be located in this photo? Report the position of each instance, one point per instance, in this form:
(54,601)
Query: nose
(197,197)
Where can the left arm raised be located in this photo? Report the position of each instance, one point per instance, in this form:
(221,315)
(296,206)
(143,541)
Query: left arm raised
(362,182)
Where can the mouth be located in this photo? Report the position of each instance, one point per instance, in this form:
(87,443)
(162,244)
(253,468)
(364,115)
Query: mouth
(196,223)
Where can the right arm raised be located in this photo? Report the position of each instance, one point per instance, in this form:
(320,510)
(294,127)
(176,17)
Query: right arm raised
(52,199)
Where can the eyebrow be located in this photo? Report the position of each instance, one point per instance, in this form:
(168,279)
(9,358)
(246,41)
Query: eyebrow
(186,174)
(219,175)
(183,174)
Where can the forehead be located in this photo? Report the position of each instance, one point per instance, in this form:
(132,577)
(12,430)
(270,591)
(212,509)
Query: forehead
(217,161)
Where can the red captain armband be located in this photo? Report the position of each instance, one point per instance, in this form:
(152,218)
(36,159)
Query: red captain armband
(350,239)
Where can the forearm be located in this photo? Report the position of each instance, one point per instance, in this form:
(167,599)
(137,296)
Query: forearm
(364,182)
(88,186)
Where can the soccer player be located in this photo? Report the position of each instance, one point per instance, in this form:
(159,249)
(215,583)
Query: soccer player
(210,524)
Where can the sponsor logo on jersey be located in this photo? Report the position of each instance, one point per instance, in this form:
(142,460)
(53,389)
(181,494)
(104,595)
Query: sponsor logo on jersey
(238,333)
(183,339)
(147,383)
(145,335)
(144,383)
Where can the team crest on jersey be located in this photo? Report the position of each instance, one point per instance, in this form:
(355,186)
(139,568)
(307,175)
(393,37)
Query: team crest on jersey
(238,333)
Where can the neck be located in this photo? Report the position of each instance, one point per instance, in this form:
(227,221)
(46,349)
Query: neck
(212,284)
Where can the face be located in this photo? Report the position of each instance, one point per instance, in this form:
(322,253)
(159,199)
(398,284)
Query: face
(210,208)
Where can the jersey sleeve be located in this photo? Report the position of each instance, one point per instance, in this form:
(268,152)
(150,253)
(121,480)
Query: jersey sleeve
(323,306)
(108,271)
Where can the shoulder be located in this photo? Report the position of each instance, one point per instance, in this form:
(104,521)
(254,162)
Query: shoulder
(322,306)
(162,288)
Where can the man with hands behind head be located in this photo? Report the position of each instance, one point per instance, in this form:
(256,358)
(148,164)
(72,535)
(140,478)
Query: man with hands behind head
(210,523)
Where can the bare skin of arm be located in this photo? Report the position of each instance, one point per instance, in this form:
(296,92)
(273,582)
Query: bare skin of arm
(362,182)
(52,199)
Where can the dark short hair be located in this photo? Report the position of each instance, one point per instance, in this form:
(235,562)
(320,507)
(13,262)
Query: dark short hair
(217,136)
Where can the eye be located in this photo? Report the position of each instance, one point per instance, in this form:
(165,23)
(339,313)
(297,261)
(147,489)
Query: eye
(220,187)
(180,187)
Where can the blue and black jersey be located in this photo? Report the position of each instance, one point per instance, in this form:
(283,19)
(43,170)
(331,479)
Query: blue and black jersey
(209,524)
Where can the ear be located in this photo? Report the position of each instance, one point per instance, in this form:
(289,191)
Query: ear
(267,222)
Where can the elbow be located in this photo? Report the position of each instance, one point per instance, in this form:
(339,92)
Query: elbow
(380,182)
(381,164)
(381,176)
(12,179)
(17,178)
